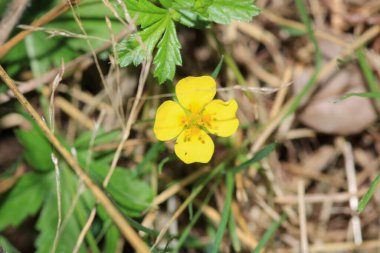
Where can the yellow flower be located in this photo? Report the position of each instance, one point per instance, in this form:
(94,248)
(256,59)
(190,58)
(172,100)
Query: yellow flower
(194,117)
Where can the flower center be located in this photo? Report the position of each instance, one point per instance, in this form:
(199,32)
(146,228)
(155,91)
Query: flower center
(196,119)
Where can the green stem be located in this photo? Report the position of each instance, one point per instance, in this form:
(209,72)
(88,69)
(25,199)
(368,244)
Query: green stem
(317,60)
(226,212)
(368,74)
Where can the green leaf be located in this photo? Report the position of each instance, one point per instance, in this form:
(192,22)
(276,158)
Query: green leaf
(131,193)
(223,11)
(168,55)
(158,29)
(131,50)
(6,246)
(84,140)
(24,199)
(38,150)
(47,221)
(145,12)
(112,238)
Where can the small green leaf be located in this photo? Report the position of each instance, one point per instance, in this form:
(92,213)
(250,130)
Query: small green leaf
(130,192)
(131,50)
(223,11)
(38,150)
(47,221)
(145,12)
(166,3)
(83,141)
(24,199)
(168,55)
(112,238)
(6,246)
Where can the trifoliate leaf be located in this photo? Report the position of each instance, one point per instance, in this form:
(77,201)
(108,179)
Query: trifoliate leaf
(222,11)
(168,55)
(25,198)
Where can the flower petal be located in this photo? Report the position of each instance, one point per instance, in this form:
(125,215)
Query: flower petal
(169,121)
(194,92)
(194,145)
(219,117)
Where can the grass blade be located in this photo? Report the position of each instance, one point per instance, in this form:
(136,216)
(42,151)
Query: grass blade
(366,198)
(233,234)
(216,71)
(269,233)
(361,94)
(317,60)
(185,233)
(226,212)
(256,158)
(368,74)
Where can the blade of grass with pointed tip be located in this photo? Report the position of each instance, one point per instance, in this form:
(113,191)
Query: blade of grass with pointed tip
(368,74)
(361,94)
(269,233)
(256,158)
(226,212)
(367,197)
(185,233)
(216,71)
(233,233)
(317,59)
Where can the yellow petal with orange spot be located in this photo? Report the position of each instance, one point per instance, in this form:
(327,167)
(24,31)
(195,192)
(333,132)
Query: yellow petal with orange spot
(169,121)
(194,145)
(195,92)
(220,117)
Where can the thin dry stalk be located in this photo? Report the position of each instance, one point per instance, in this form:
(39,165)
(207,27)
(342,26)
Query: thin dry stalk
(84,230)
(352,188)
(55,84)
(10,18)
(302,217)
(74,112)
